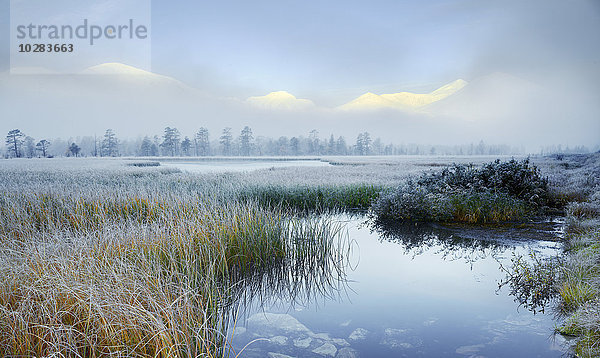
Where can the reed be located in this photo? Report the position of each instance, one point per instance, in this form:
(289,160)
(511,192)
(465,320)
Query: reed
(140,263)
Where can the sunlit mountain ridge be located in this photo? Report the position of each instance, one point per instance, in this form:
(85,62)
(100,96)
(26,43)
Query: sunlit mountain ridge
(403,100)
(280,100)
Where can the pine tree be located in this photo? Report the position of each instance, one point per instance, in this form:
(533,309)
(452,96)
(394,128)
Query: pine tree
(42,146)
(202,142)
(246,141)
(110,144)
(226,140)
(14,143)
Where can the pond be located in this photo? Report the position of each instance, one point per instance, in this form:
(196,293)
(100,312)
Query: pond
(241,165)
(430,292)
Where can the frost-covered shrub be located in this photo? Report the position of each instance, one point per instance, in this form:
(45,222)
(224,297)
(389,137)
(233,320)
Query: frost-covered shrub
(495,192)
(518,179)
(412,203)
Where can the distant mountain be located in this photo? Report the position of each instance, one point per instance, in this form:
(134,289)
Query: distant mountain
(403,100)
(114,68)
(110,95)
(498,107)
(132,75)
(280,100)
(491,96)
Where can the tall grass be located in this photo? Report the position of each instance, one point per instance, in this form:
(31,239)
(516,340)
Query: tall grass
(316,198)
(572,281)
(139,263)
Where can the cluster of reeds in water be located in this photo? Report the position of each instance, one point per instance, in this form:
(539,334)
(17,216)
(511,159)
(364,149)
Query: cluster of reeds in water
(114,267)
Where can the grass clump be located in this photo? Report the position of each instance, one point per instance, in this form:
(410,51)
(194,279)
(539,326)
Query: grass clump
(316,198)
(572,281)
(144,265)
(495,192)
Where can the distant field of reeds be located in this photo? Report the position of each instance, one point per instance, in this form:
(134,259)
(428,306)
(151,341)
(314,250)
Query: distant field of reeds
(143,262)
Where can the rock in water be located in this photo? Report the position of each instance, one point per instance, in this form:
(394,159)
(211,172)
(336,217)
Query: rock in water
(275,324)
(358,334)
(303,343)
(347,352)
(326,349)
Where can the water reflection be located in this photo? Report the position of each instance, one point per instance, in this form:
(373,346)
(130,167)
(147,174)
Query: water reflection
(409,291)
(314,268)
(447,243)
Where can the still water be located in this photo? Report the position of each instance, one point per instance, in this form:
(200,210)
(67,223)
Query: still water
(429,292)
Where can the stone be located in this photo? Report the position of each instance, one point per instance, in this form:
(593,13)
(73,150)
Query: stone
(326,349)
(303,342)
(274,324)
(281,340)
(322,336)
(278,355)
(340,342)
(469,350)
(400,338)
(358,334)
(394,332)
(347,352)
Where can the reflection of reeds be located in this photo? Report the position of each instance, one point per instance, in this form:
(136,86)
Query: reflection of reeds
(95,271)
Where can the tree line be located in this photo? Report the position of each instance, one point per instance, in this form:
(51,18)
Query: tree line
(226,143)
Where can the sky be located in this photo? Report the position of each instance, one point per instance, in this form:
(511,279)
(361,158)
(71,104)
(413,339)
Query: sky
(337,49)
(529,63)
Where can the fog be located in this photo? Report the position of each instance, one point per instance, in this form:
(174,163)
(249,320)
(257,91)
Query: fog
(532,68)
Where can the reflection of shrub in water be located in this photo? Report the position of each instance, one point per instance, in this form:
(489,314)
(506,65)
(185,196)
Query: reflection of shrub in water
(532,282)
(420,238)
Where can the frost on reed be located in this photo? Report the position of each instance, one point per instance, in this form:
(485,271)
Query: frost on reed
(135,262)
(570,282)
(495,192)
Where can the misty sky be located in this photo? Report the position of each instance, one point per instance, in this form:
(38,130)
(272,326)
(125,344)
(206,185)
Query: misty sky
(344,48)
(332,52)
